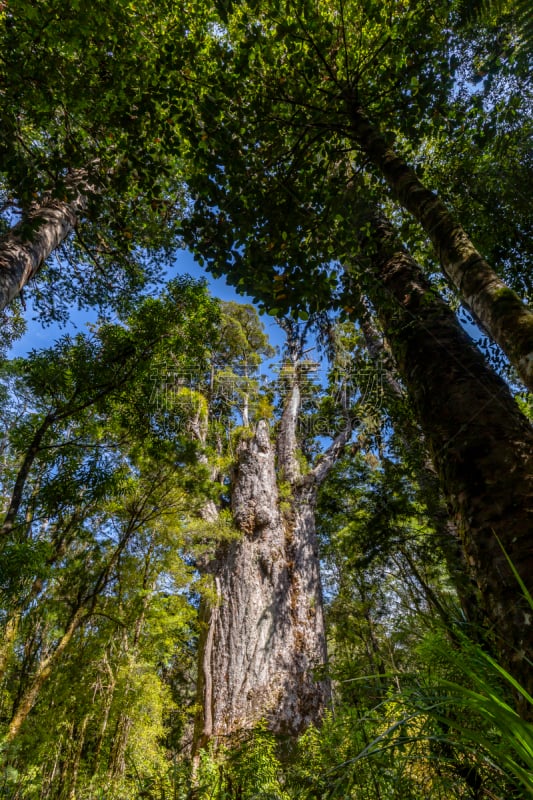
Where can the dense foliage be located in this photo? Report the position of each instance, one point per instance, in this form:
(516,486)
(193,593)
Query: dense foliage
(300,150)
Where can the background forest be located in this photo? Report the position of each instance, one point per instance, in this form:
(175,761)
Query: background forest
(237,570)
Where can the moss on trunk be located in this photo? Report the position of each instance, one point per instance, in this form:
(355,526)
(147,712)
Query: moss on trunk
(497,307)
(481,444)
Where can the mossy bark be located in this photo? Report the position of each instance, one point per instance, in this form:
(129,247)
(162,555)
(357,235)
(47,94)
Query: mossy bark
(480,443)
(498,308)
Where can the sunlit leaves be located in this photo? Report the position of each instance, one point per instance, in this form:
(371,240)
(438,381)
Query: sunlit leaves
(97,88)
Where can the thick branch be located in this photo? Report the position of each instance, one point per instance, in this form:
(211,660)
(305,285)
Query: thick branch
(331,456)
(25,248)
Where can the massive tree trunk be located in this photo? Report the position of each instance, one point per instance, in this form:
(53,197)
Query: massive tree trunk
(499,310)
(265,635)
(480,443)
(263,651)
(28,244)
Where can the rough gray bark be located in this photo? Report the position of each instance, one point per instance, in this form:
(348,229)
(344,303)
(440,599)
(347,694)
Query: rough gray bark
(263,648)
(29,243)
(265,633)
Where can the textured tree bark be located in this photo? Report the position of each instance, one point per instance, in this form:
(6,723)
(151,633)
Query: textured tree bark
(428,479)
(264,637)
(263,644)
(29,243)
(480,443)
(497,307)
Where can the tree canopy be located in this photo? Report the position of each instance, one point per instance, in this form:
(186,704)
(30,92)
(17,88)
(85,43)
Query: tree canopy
(234,571)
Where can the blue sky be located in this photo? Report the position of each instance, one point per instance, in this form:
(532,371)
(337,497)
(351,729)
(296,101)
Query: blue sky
(38,337)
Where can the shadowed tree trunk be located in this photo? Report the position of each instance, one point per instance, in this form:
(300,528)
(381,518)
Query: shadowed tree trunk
(480,443)
(263,648)
(497,307)
(411,435)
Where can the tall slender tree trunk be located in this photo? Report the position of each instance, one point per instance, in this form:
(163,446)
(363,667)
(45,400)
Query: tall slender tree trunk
(74,766)
(42,673)
(9,635)
(108,692)
(480,443)
(497,307)
(29,243)
(121,737)
(117,758)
